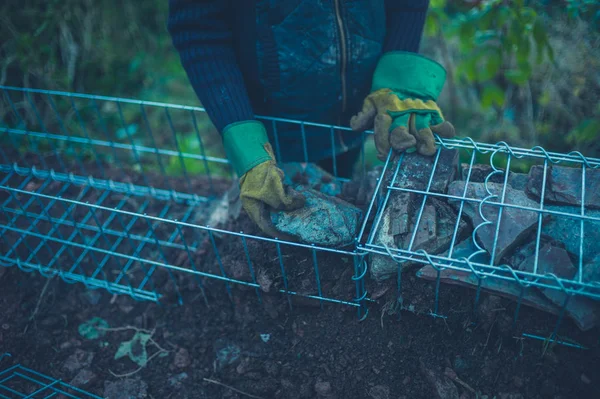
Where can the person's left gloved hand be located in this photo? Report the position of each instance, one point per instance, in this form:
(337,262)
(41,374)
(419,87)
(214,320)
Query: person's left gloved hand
(401,108)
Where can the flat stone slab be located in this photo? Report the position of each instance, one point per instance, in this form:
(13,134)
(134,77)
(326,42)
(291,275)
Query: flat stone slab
(415,171)
(480,172)
(567,230)
(324,220)
(564,185)
(515,226)
(556,261)
(510,290)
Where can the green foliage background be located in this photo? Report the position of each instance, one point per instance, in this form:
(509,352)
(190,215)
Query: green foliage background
(524,72)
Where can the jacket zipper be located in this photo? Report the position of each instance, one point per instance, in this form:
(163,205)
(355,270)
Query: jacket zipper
(343,60)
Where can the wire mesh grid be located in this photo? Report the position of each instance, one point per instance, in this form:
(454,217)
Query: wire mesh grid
(18,382)
(511,221)
(120,194)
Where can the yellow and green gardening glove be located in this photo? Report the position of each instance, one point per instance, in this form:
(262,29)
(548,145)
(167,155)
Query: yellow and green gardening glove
(261,181)
(401,108)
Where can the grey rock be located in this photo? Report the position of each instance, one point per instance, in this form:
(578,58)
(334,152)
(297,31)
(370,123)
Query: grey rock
(441,386)
(564,185)
(126,389)
(379,392)
(567,230)
(84,378)
(324,220)
(581,310)
(176,381)
(467,249)
(506,289)
(435,230)
(556,261)
(312,176)
(516,224)
(91,296)
(394,221)
(78,360)
(591,275)
(182,358)
(361,189)
(480,172)
(397,230)
(322,388)
(415,171)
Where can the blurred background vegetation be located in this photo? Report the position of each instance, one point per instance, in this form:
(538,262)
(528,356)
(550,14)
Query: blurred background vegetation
(524,72)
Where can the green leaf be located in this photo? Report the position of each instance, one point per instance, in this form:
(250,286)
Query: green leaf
(539,33)
(504,15)
(493,61)
(492,95)
(518,76)
(135,349)
(93,328)
(523,50)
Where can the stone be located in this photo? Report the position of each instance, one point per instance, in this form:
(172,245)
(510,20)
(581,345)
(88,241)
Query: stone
(84,378)
(361,189)
(564,185)
(324,220)
(579,309)
(323,388)
(91,296)
(379,392)
(311,176)
(479,172)
(176,381)
(504,288)
(433,235)
(415,171)
(78,360)
(436,229)
(556,261)
(591,275)
(567,230)
(182,358)
(441,386)
(394,221)
(126,389)
(516,224)
(467,249)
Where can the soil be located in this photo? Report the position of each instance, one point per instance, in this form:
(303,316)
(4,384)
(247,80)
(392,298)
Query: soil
(250,339)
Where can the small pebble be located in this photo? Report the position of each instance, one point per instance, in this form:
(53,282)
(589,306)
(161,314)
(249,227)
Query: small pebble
(323,388)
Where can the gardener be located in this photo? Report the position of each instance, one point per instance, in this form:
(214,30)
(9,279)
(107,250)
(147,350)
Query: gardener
(311,60)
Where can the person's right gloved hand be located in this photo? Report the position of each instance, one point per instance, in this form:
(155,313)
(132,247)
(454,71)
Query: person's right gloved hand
(261,180)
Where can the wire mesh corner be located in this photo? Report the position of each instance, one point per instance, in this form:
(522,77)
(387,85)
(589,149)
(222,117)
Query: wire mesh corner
(17,382)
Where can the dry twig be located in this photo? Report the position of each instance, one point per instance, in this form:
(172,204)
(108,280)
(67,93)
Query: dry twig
(232,388)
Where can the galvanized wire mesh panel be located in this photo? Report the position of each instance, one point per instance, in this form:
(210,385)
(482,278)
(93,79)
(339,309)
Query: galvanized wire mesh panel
(18,382)
(120,194)
(519,223)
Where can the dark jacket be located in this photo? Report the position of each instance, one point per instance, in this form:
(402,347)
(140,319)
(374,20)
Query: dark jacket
(309,60)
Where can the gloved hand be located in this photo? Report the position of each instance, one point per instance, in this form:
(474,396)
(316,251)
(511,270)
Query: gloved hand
(261,181)
(401,108)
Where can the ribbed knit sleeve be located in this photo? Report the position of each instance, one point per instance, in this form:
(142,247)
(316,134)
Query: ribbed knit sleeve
(202,34)
(405,22)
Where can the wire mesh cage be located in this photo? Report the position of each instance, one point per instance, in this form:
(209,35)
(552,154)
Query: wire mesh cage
(18,382)
(134,197)
(517,223)
(126,195)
